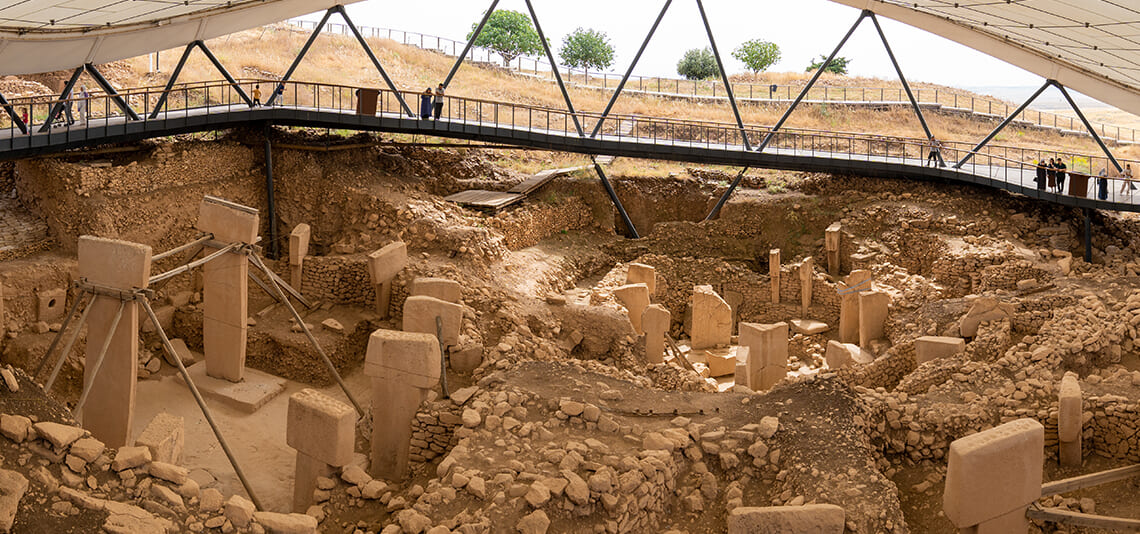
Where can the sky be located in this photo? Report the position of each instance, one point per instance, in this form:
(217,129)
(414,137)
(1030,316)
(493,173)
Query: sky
(803,29)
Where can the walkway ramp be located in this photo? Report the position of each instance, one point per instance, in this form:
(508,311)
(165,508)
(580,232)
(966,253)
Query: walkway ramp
(533,183)
(485,200)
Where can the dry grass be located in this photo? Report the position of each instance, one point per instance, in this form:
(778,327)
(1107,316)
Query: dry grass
(339,60)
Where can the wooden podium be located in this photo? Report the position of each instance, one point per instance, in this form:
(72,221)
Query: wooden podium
(366,101)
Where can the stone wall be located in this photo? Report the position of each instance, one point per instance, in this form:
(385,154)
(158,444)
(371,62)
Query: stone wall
(526,226)
(338,279)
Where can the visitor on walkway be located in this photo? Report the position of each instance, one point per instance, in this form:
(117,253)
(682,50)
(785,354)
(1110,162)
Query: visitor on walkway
(1051,173)
(1102,184)
(83,103)
(256,95)
(1061,168)
(24,118)
(425,104)
(935,152)
(1127,175)
(67,107)
(280,100)
(1040,175)
(438,101)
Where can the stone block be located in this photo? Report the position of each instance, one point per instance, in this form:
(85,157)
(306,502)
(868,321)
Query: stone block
(321,427)
(420,314)
(774,274)
(408,357)
(305,474)
(840,355)
(635,298)
(929,348)
(440,288)
(1014,522)
(983,310)
(299,243)
(855,283)
(811,518)
(51,305)
(712,319)
(1069,453)
(230,222)
(1069,417)
(466,358)
(832,246)
(721,363)
(767,343)
(113,263)
(807,278)
(165,436)
(994,472)
(13,485)
(810,327)
(873,306)
(638,273)
(655,321)
(741,371)
(394,405)
(385,263)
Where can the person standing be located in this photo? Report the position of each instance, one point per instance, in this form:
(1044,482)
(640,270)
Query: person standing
(425,104)
(1127,174)
(257,95)
(83,104)
(1061,168)
(67,107)
(1040,175)
(935,152)
(1051,174)
(24,118)
(280,100)
(1102,184)
(438,101)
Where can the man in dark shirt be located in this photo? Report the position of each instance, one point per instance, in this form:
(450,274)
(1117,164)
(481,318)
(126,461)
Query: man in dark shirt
(1061,168)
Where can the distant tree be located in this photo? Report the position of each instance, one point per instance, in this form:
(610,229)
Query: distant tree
(698,64)
(837,65)
(509,34)
(587,49)
(757,55)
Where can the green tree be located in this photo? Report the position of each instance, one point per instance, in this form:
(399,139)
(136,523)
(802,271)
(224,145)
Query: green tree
(509,34)
(698,64)
(757,55)
(837,65)
(587,49)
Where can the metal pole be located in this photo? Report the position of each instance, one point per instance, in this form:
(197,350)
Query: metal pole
(614,198)
(1089,127)
(301,55)
(273,245)
(201,404)
(906,86)
(12,115)
(724,77)
(629,72)
(470,44)
(375,62)
(225,73)
(63,97)
(99,360)
(1088,235)
(309,334)
(557,74)
(110,90)
(724,198)
(70,343)
(1003,124)
(814,78)
(175,272)
(173,78)
(62,329)
(200,241)
(284,286)
(442,356)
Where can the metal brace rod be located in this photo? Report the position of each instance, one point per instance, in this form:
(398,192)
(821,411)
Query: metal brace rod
(62,329)
(442,356)
(803,94)
(906,86)
(470,43)
(554,69)
(111,92)
(70,343)
(201,404)
(225,73)
(727,194)
(64,98)
(629,72)
(114,293)
(285,286)
(264,287)
(173,78)
(614,198)
(724,76)
(375,61)
(90,381)
(1089,127)
(200,241)
(301,55)
(309,334)
(196,263)
(11,111)
(969,155)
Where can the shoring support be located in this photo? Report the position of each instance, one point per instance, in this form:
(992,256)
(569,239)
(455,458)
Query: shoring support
(111,92)
(70,343)
(470,44)
(264,287)
(308,333)
(614,198)
(173,79)
(62,329)
(1088,126)
(724,77)
(803,94)
(301,55)
(724,198)
(273,246)
(1088,234)
(191,265)
(201,403)
(906,86)
(63,100)
(197,242)
(557,74)
(375,61)
(629,72)
(225,73)
(11,111)
(288,289)
(90,381)
(969,155)
(442,357)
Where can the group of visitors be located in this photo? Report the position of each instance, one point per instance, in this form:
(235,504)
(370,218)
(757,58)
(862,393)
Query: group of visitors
(1126,185)
(432,102)
(1051,175)
(256,94)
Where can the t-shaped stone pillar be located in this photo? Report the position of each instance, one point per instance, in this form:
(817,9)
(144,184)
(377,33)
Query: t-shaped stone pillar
(110,406)
(403,367)
(420,314)
(298,249)
(712,319)
(642,274)
(323,431)
(807,277)
(383,266)
(856,282)
(993,476)
(873,306)
(767,353)
(226,287)
(635,298)
(774,273)
(831,244)
(440,288)
(1069,421)
(655,320)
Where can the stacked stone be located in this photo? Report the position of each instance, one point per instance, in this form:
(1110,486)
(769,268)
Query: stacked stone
(1113,423)
(961,276)
(433,430)
(337,279)
(1005,276)
(532,223)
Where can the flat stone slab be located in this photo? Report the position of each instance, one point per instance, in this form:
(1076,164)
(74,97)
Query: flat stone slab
(810,327)
(249,395)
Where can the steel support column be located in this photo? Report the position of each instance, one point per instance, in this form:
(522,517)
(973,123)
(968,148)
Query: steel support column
(614,198)
(629,72)
(225,73)
(173,78)
(1088,234)
(814,78)
(301,55)
(470,44)
(969,155)
(64,99)
(11,111)
(727,194)
(375,61)
(557,74)
(724,77)
(110,90)
(1088,126)
(273,245)
(906,86)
